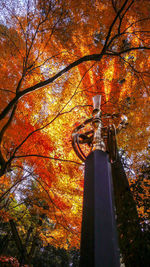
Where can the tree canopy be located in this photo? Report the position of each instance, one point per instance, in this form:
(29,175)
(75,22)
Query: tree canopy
(54,57)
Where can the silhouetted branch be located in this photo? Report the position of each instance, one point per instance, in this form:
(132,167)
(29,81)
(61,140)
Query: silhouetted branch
(47,157)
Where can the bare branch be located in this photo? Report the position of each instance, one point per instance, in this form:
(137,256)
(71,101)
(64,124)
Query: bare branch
(78,106)
(8,190)
(8,123)
(93,57)
(8,91)
(118,53)
(58,114)
(47,157)
(112,25)
(54,205)
(137,21)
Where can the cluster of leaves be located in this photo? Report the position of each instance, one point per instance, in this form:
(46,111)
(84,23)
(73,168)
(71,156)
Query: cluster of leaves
(43,255)
(140,188)
(9,261)
(54,56)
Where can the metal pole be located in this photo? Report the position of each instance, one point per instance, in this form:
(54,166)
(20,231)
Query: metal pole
(99,246)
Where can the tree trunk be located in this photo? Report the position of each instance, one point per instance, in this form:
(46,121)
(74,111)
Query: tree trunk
(132,246)
(21,248)
(4,244)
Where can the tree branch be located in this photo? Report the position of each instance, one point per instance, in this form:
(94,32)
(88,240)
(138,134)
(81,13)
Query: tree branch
(93,57)
(47,157)
(115,53)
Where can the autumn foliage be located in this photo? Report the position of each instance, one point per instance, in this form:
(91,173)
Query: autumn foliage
(54,56)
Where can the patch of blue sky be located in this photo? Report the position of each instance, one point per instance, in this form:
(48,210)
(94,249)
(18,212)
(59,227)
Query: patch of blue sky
(14,8)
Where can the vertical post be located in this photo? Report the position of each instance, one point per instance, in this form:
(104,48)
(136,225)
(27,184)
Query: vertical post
(99,246)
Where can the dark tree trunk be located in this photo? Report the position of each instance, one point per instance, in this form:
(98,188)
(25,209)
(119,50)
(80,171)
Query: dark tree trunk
(131,242)
(4,244)
(64,258)
(21,248)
